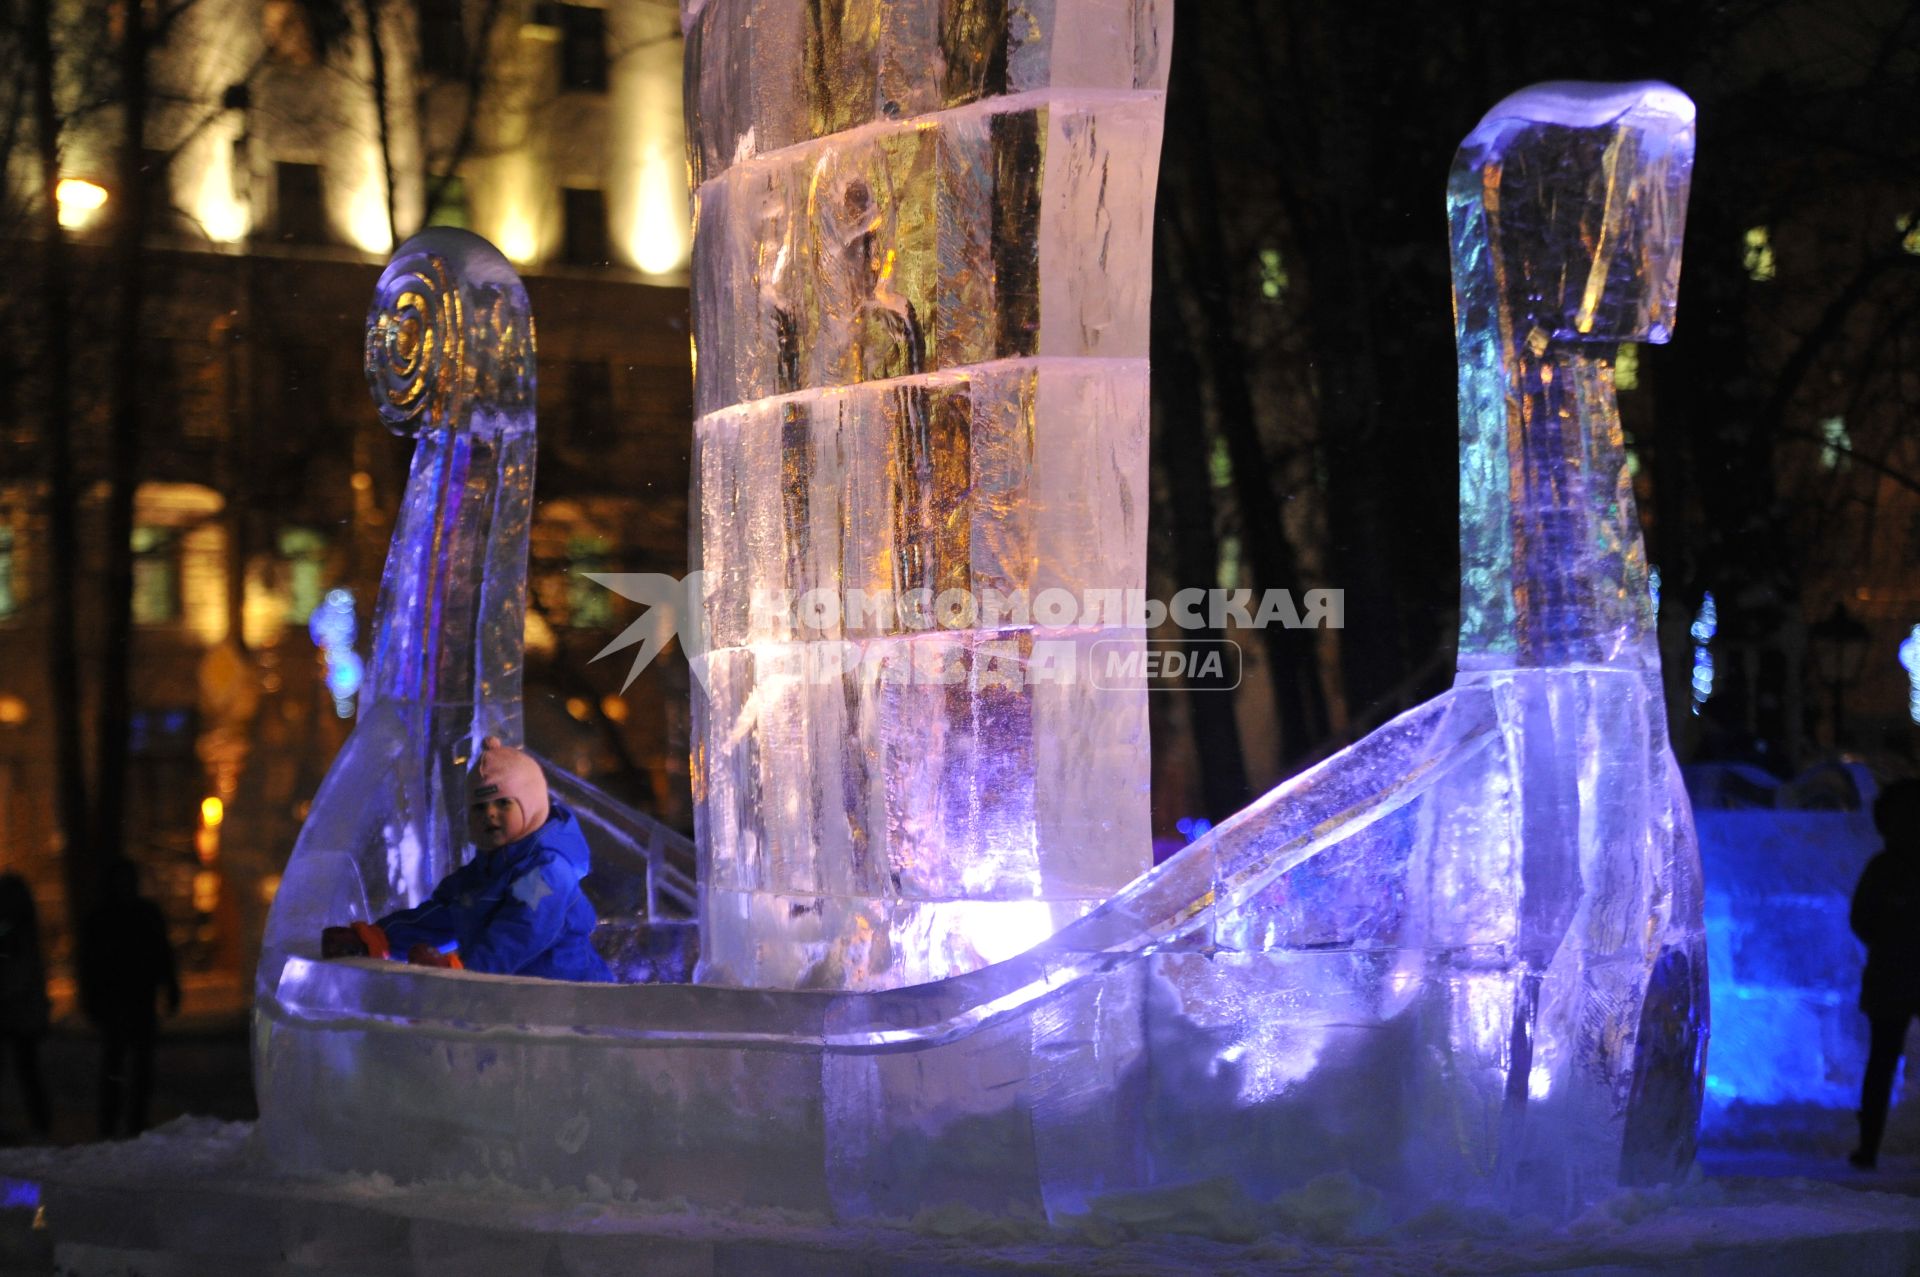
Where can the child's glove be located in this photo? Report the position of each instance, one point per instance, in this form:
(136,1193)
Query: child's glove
(425,955)
(356,940)
(341,942)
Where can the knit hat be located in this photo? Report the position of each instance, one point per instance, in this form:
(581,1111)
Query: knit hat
(504,772)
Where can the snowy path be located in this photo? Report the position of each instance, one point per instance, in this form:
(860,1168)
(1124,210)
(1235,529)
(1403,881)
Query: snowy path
(188,1199)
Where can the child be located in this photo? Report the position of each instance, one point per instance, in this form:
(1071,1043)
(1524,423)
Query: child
(516,908)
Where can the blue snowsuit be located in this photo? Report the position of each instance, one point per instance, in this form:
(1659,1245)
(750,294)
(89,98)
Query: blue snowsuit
(517,910)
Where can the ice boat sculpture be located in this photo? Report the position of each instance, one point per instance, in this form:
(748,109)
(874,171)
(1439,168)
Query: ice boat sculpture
(1461,960)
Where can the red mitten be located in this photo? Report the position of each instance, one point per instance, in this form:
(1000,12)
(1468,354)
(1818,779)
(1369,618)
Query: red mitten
(425,955)
(341,942)
(372,937)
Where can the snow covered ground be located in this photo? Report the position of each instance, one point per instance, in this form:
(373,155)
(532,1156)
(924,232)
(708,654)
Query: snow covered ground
(190,1198)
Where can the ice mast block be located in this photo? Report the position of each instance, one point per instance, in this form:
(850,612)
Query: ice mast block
(920,295)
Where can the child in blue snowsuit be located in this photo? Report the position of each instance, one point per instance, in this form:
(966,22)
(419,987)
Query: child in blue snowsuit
(516,908)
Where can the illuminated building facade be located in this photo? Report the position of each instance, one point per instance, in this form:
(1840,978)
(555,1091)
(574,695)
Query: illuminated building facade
(265,479)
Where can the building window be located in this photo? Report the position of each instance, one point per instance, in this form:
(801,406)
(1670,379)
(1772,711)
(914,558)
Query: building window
(305,554)
(443,39)
(584,213)
(583,48)
(297,197)
(589,604)
(156,579)
(449,204)
(9,596)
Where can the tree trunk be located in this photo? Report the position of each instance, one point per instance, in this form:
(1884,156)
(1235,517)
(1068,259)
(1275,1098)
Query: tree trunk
(63,656)
(382,114)
(115,709)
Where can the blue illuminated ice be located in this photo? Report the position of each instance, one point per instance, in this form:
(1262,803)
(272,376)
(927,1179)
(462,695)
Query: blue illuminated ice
(1460,961)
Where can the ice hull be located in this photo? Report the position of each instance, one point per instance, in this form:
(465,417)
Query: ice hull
(1326,983)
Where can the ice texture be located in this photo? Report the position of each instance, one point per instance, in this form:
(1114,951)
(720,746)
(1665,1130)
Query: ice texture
(1461,961)
(767,75)
(1781,862)
(450,362)
(1565,205)
(920,310)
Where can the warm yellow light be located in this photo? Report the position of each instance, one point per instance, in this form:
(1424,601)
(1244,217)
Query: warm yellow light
(206,891)
(577,707)
(516,238)
(367,227)
(362,481)
(212,811)
(206,844)
(614,708)
(657,239)
(269,888)
(79,200)
(13,710)
(214,199)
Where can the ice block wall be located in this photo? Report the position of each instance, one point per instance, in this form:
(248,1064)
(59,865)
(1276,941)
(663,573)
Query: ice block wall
(450,361)
(1566,206)
(920,288)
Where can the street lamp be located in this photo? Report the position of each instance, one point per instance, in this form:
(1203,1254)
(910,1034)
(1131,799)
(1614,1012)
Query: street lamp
(1840,643)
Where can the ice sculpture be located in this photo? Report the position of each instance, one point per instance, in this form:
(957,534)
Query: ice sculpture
(450,361)
(1460,961)
(1566,207)
(920,287)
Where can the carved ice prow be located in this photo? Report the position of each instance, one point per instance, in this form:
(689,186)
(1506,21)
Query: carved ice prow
(1566,206)
(450,361)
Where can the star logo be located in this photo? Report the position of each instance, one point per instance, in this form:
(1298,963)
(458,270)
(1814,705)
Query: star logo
(673,609)
(531,888)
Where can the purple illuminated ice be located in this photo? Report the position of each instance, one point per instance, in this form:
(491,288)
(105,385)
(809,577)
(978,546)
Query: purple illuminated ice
(1459,962)
(920,293)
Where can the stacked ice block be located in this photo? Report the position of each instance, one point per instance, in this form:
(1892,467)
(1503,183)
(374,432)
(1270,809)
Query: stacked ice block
(921,276)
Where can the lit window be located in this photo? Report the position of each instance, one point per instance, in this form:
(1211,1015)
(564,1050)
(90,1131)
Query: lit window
(1836,445)
(1626,367)
(1758,256)
(1273,275)
(1220,465)
(1229,573)
(583,48)
(156,586)
(450,204)
(589,605)
(585,226)
(304,551)
(9,600)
